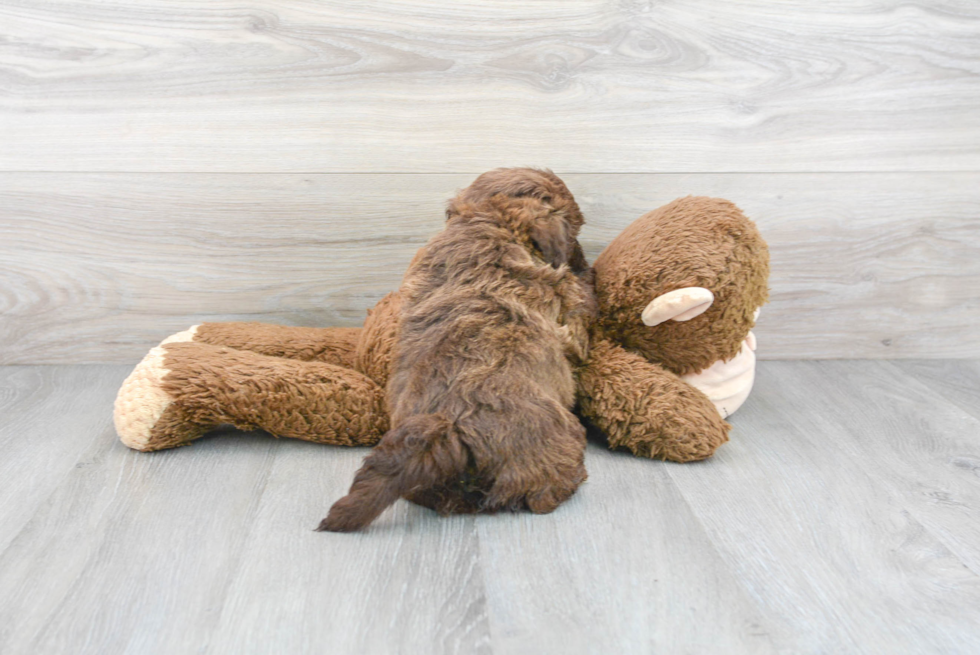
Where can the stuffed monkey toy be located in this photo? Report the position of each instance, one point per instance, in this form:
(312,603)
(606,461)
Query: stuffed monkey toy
(672,353)
(678,292)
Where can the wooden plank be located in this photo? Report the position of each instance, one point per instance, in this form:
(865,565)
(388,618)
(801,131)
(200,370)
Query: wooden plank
(586,86)
(412,583)
(52,417)
(209,546)
(844,516)
(905,434)
(100,267)
(957,381)
(819,504)
(122,261)
(131,553)
(622,567)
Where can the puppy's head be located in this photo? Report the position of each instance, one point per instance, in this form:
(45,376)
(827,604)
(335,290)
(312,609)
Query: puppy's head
(533,204)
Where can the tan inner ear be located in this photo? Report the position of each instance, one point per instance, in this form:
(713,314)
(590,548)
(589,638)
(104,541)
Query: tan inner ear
(679,305)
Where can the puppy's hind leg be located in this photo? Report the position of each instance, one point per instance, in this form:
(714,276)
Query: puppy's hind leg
(557,490)
(544,478)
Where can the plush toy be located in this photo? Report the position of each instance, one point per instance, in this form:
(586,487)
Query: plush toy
(671,354)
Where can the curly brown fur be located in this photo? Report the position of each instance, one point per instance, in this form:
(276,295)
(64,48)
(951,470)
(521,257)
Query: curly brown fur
(331,345)
(691,242)
(631,388)
(315,401)
(493,319)
(641,407)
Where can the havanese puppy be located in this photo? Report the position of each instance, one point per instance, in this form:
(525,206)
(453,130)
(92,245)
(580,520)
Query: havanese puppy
(495,317)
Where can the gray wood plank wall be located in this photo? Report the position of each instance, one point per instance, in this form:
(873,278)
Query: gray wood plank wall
(166,163)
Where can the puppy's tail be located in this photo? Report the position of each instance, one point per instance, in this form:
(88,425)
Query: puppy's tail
(422,452)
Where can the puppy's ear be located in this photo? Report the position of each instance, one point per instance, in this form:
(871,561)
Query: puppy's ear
(452,207)
(577,262)
(550,235)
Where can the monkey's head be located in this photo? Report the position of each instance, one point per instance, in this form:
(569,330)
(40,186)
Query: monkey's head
(683,284)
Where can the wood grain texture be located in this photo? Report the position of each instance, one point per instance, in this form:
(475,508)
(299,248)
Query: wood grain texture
(958,382)
(843,516)
(105,551)
(413,584)
(933,460)
(123,545)
(625,566)
(101,267)
(426,86)
(64,413)
(824,503)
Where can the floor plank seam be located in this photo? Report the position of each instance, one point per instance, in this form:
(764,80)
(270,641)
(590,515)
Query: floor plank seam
(930,171)
(90,560)
(54,491)
(246,538)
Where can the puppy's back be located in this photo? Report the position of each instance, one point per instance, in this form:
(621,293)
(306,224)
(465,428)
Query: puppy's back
(481,386)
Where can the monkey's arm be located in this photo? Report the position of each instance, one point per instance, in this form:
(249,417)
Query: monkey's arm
(645,408)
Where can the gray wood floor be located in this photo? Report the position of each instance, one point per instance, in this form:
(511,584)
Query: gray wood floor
(844,516)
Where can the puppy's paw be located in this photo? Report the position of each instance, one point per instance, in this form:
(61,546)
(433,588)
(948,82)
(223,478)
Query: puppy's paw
(547,500)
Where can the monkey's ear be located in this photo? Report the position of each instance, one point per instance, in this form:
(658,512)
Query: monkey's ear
(679,305)
(550,236)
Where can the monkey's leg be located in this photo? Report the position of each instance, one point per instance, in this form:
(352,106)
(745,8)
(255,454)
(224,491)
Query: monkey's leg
(183,389)
(330,345)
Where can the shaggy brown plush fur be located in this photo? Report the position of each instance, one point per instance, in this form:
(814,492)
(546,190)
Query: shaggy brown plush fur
(631,388)
(376,346)
(215,385)
(482,385)
(330,345)
(646,409)
(691,242)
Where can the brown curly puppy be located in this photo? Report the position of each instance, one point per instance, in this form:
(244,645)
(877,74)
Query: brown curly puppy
(496,313)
